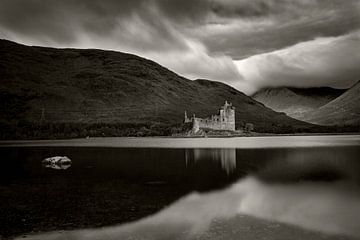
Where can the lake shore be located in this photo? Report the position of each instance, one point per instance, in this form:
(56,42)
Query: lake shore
(239,227)
(177,142)
(255,134)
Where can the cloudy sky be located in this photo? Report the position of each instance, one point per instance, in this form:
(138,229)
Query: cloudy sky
(248,44)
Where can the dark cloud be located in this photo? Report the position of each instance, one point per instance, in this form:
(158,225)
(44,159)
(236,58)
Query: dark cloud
(242,9)
(196,38)
(283,28)
(292,21)
(277,37)
(35,18)
(185,11)
(61,21)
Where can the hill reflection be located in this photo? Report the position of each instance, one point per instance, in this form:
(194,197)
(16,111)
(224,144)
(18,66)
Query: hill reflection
(252,207)
(144,190)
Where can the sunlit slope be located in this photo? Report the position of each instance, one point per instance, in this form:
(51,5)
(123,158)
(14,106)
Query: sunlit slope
(295,102)
(344,110)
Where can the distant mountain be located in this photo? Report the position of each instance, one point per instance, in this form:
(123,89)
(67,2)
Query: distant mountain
(344,110)
(96,86)
(295,102)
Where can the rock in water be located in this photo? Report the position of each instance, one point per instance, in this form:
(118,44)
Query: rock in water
(57,162)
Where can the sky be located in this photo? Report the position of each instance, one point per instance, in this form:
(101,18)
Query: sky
(248,44)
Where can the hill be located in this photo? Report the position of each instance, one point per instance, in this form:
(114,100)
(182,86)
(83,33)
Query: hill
(295,102)
(88,86)
(344,110)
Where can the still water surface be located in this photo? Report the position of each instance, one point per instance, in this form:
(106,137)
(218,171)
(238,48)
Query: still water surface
(197,192)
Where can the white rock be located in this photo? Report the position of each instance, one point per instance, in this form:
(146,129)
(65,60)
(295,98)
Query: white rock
(57,162)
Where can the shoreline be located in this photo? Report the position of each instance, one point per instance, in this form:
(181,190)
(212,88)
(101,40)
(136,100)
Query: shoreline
(249,135)
(239,225)
(253,142)
(254,134)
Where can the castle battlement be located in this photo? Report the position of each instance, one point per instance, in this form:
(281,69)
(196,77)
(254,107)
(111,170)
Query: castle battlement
(225,120)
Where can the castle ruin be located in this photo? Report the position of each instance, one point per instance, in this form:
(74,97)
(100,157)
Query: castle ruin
(225,120)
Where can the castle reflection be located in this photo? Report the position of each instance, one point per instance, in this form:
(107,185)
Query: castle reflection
(226,156)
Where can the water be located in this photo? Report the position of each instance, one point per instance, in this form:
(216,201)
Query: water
(284,189)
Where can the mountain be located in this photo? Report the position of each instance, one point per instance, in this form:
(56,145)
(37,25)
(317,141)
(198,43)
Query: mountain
(344,110)
(41,84)
(295,102)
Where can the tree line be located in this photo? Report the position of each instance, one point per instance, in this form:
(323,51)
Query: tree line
(61,130)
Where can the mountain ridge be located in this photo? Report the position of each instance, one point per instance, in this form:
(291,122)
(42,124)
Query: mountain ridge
(99,86)
(295,102)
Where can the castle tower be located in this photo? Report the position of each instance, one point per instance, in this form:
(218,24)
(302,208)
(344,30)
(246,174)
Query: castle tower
(186,119)
(227,117)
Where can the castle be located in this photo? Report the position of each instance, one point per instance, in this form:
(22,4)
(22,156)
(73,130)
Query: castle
(224,121)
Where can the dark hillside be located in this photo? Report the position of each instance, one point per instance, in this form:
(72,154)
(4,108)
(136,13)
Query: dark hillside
(48,85)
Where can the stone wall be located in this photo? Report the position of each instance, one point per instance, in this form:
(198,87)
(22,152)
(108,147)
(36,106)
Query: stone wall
(224,121)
